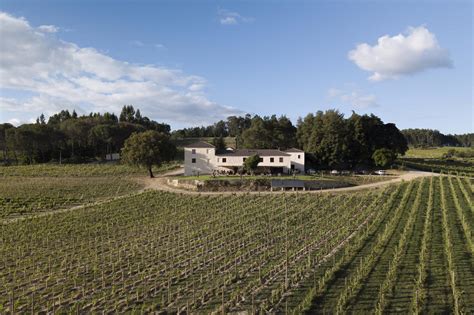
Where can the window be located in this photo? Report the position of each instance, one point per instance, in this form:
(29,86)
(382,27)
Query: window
(193,160)
(272,160)
(299,156)
(281,160)
(193,151)
(260,160)
(207,151)
(224,160)
(244,159)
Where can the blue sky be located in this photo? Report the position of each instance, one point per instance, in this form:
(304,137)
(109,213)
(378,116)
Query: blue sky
(192,63)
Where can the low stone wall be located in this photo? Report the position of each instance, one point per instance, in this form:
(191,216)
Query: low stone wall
(236,185)
(245,184)
(185,183)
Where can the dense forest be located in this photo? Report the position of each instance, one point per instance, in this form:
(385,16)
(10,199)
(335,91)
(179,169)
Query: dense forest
(330,139)
(434,138)
(72,138)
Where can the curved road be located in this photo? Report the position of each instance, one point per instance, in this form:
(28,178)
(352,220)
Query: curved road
(159,183)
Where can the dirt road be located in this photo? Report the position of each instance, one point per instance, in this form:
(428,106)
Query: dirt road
(159,183)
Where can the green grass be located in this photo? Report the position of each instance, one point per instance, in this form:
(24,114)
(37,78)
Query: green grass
(432,153)
(454,166)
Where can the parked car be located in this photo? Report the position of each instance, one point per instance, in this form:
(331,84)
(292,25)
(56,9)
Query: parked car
(381,172)
(311,171)
(335,172)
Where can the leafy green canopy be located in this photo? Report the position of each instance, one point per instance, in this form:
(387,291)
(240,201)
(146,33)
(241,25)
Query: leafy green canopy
(384,157)
(335,141)
(72,138)
(251,163)
(147,149)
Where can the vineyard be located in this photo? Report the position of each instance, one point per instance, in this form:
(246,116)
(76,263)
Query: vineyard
(21,196)
(457,167)
(405,248)
(77,170)
(31,189)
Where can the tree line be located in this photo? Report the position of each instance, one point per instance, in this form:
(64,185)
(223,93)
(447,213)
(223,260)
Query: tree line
(330,139)
(68,137)
(433,138)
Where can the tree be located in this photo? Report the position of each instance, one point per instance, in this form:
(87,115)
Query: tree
(128,114)
(384,157)
(251,163)
(147,149)
(3,140)
(394,139)
(257,136)
(41,120)
(56,119)
(220,129)
(326,135)
(219,143)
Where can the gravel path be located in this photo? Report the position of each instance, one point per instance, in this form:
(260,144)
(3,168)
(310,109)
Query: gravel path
(159,183)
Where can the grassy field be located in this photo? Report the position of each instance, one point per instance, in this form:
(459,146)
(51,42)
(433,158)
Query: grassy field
(431,160)
(432,153)
(404,248)
(461,167)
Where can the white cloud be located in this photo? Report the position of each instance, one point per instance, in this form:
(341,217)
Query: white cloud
(48,29)
(15,122)
(356,99)
(137,43)
(55,75)
(403,54)
(227,17)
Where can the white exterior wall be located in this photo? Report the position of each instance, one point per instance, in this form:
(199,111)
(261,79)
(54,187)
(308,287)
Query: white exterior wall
(232,161)
(297,162)
(205,161)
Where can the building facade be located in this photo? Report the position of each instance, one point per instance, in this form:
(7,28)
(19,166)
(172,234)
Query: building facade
(202,158)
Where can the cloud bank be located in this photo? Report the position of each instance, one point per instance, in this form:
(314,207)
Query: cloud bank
(50,74)
(404,54)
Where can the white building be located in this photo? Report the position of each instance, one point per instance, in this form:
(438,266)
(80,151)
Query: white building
(202,158)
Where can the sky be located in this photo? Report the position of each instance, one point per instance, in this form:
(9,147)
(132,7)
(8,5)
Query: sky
(191,63)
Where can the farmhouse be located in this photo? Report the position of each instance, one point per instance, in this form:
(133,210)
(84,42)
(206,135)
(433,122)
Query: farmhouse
(202,158)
